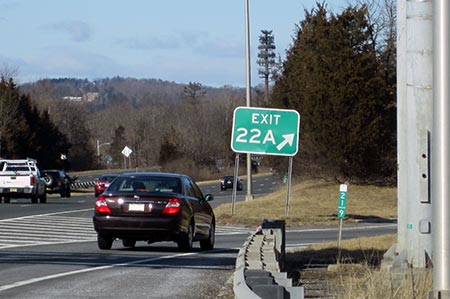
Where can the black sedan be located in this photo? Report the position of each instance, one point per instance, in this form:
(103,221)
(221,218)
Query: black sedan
(154,207)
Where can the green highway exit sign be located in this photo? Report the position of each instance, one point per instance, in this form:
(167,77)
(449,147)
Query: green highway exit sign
(265,131)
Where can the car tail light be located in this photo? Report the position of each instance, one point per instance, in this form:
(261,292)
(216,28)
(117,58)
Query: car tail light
(101,206)
(172,207)
(32,180)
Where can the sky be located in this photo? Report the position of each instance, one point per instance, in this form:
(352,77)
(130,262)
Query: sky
(173,40)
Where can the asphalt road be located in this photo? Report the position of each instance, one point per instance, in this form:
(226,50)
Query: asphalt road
(50,251)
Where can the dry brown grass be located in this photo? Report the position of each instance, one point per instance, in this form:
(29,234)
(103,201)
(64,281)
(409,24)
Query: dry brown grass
(359,274)
(313,202)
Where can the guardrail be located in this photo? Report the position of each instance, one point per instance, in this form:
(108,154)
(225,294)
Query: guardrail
(259,263)
(86,184)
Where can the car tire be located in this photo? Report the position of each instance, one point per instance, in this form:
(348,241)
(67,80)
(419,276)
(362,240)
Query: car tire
(48,180)
(208,244)
(186,240)
(103,242)
(43,198)
(7,199)
(68,192)
(129,243)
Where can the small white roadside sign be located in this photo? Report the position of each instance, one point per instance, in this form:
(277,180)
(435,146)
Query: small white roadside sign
(126,151)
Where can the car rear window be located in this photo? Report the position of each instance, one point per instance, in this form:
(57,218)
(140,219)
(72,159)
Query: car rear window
(17,167)
(107,177)
(146,184)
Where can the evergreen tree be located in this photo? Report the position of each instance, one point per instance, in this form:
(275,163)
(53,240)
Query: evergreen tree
(266,59)
(117,145)
(193,91)
(333,78)
(71,119)
(24,132)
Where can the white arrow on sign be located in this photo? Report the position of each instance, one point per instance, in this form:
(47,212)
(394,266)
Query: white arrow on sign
(288,138)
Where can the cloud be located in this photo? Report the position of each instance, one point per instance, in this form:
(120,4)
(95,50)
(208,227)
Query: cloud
(77,31)
(151,43)
(201,44)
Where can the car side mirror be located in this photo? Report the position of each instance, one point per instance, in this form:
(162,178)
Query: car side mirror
(209,197)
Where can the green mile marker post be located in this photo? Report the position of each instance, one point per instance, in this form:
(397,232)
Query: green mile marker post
(341,212)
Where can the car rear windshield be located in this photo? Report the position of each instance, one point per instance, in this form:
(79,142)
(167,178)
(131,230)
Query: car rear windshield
(17,167)
(146,184)
(107,177)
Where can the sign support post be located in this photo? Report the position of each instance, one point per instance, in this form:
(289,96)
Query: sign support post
(289,180)
(233,197)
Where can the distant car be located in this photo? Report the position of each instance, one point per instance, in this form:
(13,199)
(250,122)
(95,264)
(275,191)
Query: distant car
(103,182)
(154,207)
(58,181)
(227,183)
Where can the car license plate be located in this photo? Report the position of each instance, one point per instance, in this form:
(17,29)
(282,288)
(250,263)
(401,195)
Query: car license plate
(136,207)
(13,190)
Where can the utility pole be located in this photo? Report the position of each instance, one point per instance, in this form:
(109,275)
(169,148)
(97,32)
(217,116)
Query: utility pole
(414,127)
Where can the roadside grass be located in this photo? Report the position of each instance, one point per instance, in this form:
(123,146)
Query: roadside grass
(359,273)
(313,202)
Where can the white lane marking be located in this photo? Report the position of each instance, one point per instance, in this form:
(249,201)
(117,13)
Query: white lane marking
(63,274)
(45,229)
(47,214)
(52,228)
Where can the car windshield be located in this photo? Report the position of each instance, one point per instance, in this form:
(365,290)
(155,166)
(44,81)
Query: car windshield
(145,184)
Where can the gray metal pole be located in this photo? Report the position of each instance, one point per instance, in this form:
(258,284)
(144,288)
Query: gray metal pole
(249,195)
(441,149)
(236,173)
(289,183)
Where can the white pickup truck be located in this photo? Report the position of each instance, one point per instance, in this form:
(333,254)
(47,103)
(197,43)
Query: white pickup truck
(21,179)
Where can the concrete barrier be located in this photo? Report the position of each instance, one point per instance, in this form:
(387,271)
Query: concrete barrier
(259,263)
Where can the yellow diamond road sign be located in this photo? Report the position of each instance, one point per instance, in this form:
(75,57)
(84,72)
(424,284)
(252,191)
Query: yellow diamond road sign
(265,131)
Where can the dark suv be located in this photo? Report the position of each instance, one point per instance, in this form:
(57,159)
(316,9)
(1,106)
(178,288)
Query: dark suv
(57,181)
(227,183)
